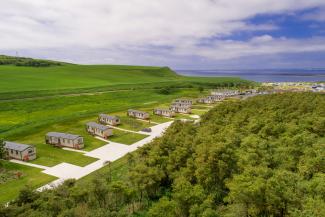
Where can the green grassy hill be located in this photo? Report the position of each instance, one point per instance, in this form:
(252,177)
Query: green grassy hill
(69,78)
(78,76)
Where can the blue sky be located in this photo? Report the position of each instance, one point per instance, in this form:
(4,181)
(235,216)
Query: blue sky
(182,34)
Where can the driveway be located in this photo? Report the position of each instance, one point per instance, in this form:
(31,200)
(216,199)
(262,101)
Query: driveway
(110,152)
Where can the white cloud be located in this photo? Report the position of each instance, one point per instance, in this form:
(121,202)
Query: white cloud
(260,45)
(136,24)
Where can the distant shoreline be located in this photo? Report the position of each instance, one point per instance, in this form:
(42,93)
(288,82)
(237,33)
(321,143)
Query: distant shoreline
(295,75)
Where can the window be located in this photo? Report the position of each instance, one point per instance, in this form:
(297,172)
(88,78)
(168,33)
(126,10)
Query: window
(16,152)
(30,151)
(11,151)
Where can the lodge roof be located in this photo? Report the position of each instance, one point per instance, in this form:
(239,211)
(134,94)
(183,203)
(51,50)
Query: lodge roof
(98,126)
(16,146)
(63,135)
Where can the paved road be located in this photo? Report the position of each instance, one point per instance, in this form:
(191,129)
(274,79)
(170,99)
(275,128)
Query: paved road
(110,152)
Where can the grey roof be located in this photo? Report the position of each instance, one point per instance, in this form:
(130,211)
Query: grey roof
(110,117)
(162,109)
(137,111)
(183,105)
(98,126)
(63,135)
(183,100)
(16,146)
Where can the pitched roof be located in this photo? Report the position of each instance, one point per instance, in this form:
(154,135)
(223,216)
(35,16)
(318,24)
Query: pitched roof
(162,109)
(63,135)
(98,126)
(16,146)
(183,105)
(110,117)
(137,111)
(183,100)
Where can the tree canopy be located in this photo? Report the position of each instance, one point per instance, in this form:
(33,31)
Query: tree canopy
(23,61)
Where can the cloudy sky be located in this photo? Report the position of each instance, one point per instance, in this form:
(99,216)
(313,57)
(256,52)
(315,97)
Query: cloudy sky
(182,34)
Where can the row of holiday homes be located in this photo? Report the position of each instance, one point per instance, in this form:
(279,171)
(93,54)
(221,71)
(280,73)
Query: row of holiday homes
(28,152)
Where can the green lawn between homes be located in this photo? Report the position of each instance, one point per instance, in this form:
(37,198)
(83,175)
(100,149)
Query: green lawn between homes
(30,176)
(126,138)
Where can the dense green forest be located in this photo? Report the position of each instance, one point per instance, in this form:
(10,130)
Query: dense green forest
(23,61)
(263,156)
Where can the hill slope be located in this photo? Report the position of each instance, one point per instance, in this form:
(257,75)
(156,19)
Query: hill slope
(68,77)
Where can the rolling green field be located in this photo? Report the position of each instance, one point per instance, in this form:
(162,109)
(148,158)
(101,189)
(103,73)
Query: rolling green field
(30,176)
(22,82)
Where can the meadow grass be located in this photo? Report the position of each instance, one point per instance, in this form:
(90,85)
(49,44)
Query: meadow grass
(32,177)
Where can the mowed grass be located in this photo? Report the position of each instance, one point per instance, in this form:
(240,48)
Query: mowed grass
(130,123)
(32,177)
(126,138)
(117,170)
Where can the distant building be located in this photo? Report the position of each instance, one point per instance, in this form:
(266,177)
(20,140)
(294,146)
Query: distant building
(252,91)
(65,140)
(205,100)
(164,112)
(183,101)
(181,108)
(225,93)
(109,119)
(20,151)
(138,114)
(211,99)
(99,130)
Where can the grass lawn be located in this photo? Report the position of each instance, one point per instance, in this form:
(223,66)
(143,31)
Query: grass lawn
(117,168)
(32,177)
(130,123)
(203,106)
(199,111)
(126,138)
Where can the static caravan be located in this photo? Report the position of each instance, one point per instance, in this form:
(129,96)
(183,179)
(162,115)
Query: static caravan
(181,108)
(109,119)
(205,100)
(164,112)
(225,93)
(138,114)
(20,151)
(217,98)
(183,101)
(99,130)
(64,140)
